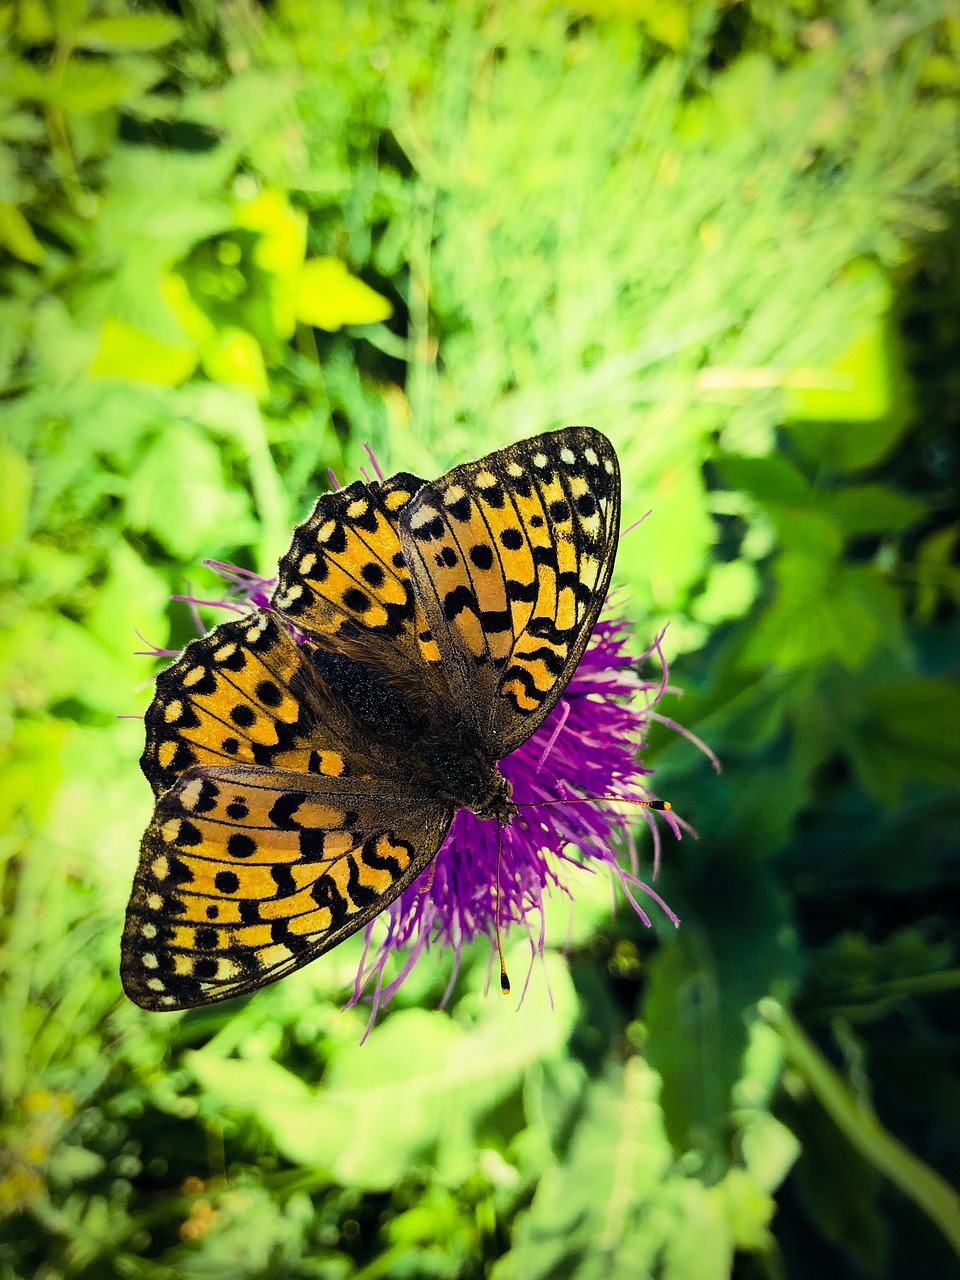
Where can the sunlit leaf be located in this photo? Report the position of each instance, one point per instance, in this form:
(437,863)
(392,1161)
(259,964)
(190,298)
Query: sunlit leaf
(17,489)
(329,297)
(16,234)
(89,86)
(177,494)
(234,356)
(730,590)
(445,1075)
(601,1211)
(126,352)
(129,33)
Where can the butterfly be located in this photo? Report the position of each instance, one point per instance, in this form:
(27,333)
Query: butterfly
(307,760)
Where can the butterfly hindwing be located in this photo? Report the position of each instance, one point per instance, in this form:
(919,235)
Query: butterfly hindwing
(511,558)
(248,873)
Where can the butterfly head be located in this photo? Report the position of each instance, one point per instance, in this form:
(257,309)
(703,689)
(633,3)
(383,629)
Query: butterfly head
(496,803)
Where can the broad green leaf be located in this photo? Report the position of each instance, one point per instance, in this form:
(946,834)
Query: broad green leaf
(33,22)
(703,1248)
(869,508)
(730,950)
(281,228)
(909,732)
(30,757)
(177,493)
(600,1213)
(57,660)
(240,1084)
(129,33)
(667,22)
(329,297)
(16,234)
(769,1149)
(127,352)
(234,357)
(133,598)
(16,484)
(443,1075)
(666,553)
(937,571)
(730,590)
(280,250)
(87,86)
(772,480)
(822,611)
(867,396)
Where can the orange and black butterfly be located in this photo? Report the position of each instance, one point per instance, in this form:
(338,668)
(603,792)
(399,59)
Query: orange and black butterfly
(303,783)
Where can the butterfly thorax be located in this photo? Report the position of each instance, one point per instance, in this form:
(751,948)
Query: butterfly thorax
(469,780)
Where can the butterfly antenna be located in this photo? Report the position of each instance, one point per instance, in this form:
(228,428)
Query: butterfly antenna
(662,806)
(504,980)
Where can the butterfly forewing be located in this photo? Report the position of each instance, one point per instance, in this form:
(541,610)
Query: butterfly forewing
(249,873)
(344,581)
(243,694)
(511,558)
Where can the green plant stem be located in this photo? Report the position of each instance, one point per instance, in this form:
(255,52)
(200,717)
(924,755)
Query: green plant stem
(929,1192)
(60,146)
(877,998)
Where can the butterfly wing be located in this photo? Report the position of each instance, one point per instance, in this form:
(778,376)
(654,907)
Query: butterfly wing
(345,583)
(510,559)
(248,873)
(247,693)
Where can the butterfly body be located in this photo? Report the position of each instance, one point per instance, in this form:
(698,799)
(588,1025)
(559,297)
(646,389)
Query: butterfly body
(450,764)
(307,760)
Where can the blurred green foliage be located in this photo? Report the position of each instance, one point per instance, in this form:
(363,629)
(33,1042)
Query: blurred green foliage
(236,243)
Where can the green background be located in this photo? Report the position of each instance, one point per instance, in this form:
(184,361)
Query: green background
(239,241)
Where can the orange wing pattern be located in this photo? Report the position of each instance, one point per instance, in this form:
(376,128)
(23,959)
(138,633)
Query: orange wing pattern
(344,580)
(246,693)
(511,559)
(246,874)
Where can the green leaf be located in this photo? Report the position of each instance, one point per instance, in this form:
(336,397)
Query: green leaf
(822,611)
(68,1165)
(127,352)
(703,1250)
(177,493)
(445,1076)
(233,356)
(867,508)
(730,590)
(729,951)
(56,659)
(87,86)
(329,297)
(600,1213)
(16,234)
(771,480)
(129,33)
(909,733)
(17,485)
(865,393)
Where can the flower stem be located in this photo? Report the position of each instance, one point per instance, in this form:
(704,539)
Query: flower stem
(929,1192)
